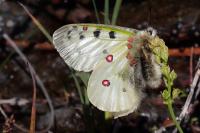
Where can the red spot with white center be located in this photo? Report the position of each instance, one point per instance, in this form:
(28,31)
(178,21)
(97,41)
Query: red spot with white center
(85,28)
(109,58)
(130,39)
(129,46)
(106,82)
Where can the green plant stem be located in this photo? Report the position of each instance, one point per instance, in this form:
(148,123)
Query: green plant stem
(96,11)
(106,12)
(172,114)
(116,11)
(167,94)
(78,88)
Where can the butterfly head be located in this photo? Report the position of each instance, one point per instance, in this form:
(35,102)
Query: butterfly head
(150,38)
(153,45)
(149,41)
(151,31)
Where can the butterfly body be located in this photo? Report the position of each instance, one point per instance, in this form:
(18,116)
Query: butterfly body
(120,59)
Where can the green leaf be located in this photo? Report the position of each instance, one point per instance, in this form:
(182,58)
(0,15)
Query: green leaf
(165,80)
(96,11)
(116,11)
(173,75)
(159,49)
(164,53)
(84,77)
(108,115)
(106,12)
(165,70)
(175,93)
(166,95)
(86,97)
(78,87)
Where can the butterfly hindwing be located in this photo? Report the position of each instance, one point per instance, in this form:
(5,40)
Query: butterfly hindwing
(110,87)
(82,46)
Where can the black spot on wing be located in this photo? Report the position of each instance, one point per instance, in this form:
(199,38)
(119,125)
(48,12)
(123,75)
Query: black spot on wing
(112,34)
(69,32)
(105,51)
(81,37)
(96,33)
(124,89)
(69,37)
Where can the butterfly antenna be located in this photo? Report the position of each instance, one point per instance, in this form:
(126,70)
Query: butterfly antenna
(150,10)
(150,28)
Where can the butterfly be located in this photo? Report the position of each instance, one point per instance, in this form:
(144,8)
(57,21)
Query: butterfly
(121,60)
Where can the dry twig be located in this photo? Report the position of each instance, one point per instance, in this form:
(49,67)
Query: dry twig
(185,113)
(191,63)
(14,101)
(38,80)
(33,111)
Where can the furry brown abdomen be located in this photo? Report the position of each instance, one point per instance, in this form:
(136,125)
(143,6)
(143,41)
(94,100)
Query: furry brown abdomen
(150,68)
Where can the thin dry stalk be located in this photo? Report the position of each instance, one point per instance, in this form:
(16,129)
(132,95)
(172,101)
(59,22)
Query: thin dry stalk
(184,111)
(191,64)
(33,111)
(14,101)
(198,86)
(37,79)
(16,125)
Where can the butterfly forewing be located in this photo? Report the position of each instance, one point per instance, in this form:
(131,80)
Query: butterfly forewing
(82,46)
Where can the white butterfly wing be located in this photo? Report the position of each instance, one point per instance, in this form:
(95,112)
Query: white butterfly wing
(110,88)
(101,48)
(82,46)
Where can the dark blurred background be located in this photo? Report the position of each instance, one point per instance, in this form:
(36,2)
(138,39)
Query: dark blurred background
(177,22)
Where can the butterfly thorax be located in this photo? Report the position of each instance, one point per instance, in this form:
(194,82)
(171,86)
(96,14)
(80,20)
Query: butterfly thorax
(137,44)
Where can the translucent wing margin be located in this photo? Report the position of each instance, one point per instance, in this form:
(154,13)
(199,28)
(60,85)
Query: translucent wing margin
(82,46)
